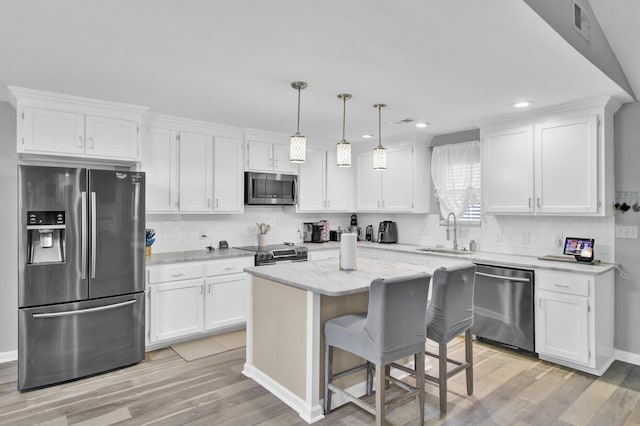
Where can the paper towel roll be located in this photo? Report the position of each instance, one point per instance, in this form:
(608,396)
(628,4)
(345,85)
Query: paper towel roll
(348,252)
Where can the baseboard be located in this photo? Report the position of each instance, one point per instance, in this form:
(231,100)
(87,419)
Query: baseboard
(8,356)
(630,357)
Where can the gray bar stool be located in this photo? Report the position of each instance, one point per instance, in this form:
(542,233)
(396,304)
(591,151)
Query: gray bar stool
(450,313)
(394,327)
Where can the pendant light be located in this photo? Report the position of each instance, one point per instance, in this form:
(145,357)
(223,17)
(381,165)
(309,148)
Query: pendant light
(379,152)
(343,148)
(298,145)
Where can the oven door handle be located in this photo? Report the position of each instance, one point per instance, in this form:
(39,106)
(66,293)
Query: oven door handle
(502,277)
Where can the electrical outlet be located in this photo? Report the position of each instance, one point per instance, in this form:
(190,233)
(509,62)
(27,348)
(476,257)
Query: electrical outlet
(627,232)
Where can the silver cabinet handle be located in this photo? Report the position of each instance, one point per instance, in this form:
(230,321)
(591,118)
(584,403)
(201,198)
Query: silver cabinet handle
(561,285)
(530,203)
(83,243)
(540,303)
(91,143)
(208,202)
(84,311)
(229,268)
(94,237)
(79,141)
(202,289)
(177,275)
(217,203)
(208,288)
(502,277)
(538,202)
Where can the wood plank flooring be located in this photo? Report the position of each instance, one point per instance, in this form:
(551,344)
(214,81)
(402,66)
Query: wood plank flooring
(510,389)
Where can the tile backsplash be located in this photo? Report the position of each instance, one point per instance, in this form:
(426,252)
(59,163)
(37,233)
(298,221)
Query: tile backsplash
(527,235)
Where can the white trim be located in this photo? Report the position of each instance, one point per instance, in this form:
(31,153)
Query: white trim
(630,357)
(312,380)
(248,362)
(309,414)
(8,356)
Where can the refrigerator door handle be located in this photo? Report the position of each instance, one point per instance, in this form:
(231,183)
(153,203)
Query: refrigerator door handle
(83,243)
(93,235)
(85,311)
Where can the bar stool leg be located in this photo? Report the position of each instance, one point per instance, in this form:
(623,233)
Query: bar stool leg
(328,377)
(370,372)
(380,383)
(418,363)
(468,351)
(442,381)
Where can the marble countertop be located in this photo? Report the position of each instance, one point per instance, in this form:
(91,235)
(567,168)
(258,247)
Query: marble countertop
(498,259)
(326,277)
(195,256)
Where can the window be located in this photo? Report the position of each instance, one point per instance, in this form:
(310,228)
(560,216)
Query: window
(455,171)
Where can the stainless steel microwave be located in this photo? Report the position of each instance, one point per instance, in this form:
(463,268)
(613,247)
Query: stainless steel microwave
(270,189)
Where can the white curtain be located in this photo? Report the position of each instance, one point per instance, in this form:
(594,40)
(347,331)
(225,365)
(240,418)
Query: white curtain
(452,169)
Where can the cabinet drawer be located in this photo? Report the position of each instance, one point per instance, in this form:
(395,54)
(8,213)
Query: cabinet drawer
(563,282)
(228,266)
(175,272)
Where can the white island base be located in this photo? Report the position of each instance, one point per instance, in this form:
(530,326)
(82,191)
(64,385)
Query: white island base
(285,341)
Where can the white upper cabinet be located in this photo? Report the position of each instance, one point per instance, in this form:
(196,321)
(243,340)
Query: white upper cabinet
(228,174)
(196,172)
(266,152)
(557,164)
(160,163)
(567,166)
(322,185)
(507,171)
(192,167)
(395,189)
(59,125)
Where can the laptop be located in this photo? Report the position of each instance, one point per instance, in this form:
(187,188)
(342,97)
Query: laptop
(576,250)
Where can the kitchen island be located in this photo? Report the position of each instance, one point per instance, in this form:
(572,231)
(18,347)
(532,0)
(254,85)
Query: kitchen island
(289,305)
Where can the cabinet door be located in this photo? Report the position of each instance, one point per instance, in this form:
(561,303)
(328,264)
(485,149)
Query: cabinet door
(562,326)
(259,156)
(567,166)
(339,185)
(52,131)
(281,163)
(507,171)
(196,172)
(226,301)
(368,184)
(111,137)
(397,180)
(160,162)
(227,175)
(311,194)
(176,309)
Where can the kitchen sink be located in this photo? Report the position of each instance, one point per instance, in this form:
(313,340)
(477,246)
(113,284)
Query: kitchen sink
(443,250)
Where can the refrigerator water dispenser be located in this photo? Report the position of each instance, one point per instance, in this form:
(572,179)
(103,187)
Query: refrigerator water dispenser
(45,237)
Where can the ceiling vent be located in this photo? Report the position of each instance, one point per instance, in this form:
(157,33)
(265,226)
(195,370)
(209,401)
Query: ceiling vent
(403,121)
(580,20)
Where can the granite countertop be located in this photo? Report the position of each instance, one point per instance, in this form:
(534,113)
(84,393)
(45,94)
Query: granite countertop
(498,259)
(326,277)
(195,256)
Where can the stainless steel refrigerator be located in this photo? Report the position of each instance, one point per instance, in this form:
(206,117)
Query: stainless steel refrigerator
(80,272)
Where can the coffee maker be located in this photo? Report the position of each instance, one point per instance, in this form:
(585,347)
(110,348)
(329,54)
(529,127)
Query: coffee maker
(312,232)
(354,228)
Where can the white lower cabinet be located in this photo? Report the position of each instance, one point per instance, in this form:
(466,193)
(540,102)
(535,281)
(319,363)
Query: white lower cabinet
(574,319)
(192,298)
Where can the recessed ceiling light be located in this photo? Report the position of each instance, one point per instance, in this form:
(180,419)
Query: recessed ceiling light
(421,124)
(523,104)
(367,136)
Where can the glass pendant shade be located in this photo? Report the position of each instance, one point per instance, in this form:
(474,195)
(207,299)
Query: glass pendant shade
(379,158)
(297,148)
(379,152)
(343,154)
(298,144)
(343,148)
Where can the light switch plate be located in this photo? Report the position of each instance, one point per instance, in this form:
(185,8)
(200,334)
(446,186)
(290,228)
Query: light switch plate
(627,232)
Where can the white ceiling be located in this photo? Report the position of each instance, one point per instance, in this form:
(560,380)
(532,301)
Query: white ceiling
(451,63)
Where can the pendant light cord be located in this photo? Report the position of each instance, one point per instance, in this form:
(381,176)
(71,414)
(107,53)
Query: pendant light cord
(298,127)
(344,114)
(379,126)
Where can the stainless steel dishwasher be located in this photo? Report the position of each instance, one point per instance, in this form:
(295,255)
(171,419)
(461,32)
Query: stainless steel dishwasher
(503,306)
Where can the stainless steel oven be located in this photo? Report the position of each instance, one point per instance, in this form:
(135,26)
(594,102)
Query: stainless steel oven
(504,306)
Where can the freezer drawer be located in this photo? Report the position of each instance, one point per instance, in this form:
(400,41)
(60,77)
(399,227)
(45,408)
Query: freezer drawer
(67,341)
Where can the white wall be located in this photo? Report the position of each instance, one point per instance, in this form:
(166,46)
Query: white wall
(8,223)
(627,144)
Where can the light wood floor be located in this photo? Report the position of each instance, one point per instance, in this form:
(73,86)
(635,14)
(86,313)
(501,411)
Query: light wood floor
(510,389)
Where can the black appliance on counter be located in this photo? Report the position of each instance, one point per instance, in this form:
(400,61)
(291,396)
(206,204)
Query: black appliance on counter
(387,232)
(312,232)
(273,253)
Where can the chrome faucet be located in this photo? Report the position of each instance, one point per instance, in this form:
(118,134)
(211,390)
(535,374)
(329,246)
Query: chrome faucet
(455,230)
